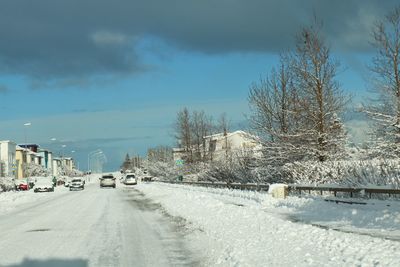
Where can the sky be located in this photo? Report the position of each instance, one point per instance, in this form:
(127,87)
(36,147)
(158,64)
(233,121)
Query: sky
(112,75)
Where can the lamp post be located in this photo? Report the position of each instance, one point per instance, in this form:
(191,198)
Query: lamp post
(100,160)
(90,154)
(26,125)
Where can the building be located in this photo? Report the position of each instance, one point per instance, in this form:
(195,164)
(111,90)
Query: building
(21,158)
(46,159)
(8,165)
(56,167)
(219,146)
(31,147)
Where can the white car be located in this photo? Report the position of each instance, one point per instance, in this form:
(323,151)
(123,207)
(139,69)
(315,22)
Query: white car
(107,180)
(130,179)
(43,184)
(76,183)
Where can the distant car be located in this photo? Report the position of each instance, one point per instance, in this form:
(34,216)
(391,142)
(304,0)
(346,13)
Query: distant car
(147,178)
(43,184)
(130,179)
(76,183)
(22,184)
(107,180)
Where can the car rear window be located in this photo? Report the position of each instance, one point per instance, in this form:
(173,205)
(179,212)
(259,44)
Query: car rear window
(130,176)
(108,177)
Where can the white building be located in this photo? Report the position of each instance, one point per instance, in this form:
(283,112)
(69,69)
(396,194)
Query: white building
(46,159)
(220,146)
(7,158)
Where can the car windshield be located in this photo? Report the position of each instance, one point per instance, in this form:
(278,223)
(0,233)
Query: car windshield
(130,176)
(76,180)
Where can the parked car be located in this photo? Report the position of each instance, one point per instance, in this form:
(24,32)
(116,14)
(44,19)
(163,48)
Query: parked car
(130,179)
(22,184)
(107,180)
(147,178)
(76,183)
(43,184)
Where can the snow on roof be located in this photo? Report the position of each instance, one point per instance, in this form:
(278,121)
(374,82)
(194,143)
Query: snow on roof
(238,132)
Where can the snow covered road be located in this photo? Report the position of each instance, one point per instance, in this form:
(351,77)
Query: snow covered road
(253,229)
(93,227)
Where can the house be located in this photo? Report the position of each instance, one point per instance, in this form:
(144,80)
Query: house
(46,158)
(21,158)
(220,146)
(31,147)
(7,158)
(68,163)
(56,167)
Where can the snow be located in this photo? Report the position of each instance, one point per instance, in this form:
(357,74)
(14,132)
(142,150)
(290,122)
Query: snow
(253,229)
(221,227)
(93,227)
(12,200)
(273,187)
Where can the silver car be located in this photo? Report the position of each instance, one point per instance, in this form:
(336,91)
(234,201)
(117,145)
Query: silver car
(107,180)
(130,179)
(76,183)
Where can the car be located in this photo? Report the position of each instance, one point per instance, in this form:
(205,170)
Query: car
(130,179)
(43,184)
(107,180)
(22,184)
(76,183)
(147,178)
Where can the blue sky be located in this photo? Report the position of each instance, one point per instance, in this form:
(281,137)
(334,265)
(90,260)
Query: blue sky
(112,75)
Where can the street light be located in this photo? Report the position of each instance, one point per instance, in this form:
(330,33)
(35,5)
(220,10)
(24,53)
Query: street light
(26,125)
(92,153)
(62,151)
(100,160)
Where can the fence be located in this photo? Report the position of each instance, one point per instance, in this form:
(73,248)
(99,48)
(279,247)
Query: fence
(352,191)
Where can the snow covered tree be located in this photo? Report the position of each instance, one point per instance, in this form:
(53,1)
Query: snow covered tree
(295,109)
(33,169)
(127,162)
(319,94)
(160,154)
(385,109)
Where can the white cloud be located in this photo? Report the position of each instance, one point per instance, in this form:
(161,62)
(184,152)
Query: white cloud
(109,38)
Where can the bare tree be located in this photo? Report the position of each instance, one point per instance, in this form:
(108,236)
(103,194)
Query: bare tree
(320,95)
(385,110)
(160,154)
(223,125)
(201,127)
(184,133)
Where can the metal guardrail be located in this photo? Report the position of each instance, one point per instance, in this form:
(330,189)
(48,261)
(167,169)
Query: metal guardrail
(352,191)
(293,188)
(250,187)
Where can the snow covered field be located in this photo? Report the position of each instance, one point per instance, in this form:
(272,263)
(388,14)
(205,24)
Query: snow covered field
(252,229)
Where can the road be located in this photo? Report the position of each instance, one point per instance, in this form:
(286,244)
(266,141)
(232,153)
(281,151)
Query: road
(93,227)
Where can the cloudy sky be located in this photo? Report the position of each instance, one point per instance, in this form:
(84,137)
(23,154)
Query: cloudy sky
(111,75)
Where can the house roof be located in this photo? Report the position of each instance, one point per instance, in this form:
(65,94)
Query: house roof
(239,132)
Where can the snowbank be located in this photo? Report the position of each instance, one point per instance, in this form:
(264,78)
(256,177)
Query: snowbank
(252,229)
